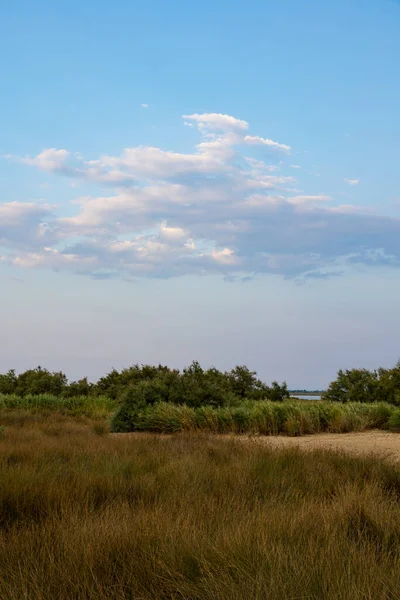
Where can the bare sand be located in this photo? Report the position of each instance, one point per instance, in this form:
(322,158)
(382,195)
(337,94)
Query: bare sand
(372,442)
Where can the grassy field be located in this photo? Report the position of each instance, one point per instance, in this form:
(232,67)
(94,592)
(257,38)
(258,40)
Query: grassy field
(84,515)
(96,407)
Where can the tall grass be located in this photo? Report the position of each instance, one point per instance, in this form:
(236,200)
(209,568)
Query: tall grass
(89,406)
(265,418)
(290,417)
(191,517)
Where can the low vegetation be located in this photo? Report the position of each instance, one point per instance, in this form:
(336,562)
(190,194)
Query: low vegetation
(290,417)
(87,406)
(265,418)
(148,398)
(88,515)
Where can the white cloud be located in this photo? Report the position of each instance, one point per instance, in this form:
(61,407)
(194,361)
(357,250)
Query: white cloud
(152,163)
(24,224)
(144,105)
(352,181)
(295,167)
(217,122)
(256,140)
(215,153)
(225,256)
(172,234)
(122,246)
(213,209)
(304,200)
(259,166)
(13,213)
(50,257)
(49,160)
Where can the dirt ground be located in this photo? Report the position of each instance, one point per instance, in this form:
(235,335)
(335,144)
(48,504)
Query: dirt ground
(375,442)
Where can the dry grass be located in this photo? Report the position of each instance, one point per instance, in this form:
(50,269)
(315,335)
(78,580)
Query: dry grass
(86,515)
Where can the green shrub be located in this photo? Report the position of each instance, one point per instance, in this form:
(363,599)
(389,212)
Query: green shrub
(361,385)
(394,420)
(208,418)
(134,401)
(8,382)
(379,415)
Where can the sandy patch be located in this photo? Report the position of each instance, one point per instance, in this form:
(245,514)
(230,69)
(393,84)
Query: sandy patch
(372,442)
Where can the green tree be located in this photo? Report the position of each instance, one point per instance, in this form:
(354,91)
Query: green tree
(41,381)
(361,385)
(354,385)
(243,381)
(8,382)
(277,392)
(78,388)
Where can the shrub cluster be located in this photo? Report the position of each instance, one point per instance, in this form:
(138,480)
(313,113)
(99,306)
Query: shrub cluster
(41,381)
(361,385)
(148,384)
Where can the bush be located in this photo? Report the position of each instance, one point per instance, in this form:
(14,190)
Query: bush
(8,382)
(78,388)
(33,381)
(394,421)
(361,385)
(196,388)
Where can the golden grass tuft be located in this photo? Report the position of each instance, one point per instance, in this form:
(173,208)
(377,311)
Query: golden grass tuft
(88,515)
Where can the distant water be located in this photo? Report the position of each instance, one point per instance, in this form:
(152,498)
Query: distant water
(306,397)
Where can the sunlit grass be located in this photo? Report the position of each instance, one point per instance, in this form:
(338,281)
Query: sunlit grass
(84,514)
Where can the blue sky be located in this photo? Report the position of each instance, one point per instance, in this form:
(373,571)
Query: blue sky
(213,181)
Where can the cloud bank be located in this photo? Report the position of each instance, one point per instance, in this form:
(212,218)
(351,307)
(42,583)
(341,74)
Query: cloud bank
(226,207)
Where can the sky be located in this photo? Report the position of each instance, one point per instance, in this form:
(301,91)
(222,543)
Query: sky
(214,181)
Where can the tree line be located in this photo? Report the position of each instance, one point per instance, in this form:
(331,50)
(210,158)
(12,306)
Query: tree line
(193,385)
